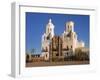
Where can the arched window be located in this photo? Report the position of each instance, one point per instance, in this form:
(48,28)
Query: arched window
(50,29)
(68,26)
(67,48)
(67,53)
(46,49)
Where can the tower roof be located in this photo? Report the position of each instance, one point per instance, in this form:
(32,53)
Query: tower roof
(50,24)
(70,23)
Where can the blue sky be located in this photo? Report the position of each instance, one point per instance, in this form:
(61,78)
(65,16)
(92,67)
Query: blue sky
(36,25)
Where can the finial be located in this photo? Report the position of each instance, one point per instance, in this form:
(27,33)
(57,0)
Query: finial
(50,20)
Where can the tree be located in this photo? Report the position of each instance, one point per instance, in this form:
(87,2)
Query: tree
(80,55)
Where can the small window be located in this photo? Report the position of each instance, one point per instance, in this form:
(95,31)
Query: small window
(71,46)
(48,29)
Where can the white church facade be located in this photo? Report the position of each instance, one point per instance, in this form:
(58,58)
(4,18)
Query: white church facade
(69,40)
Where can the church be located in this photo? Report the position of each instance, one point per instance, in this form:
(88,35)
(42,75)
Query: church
(59,46)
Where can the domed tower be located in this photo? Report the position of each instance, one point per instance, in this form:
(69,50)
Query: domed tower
(70,26)
(50,29)
(46,39)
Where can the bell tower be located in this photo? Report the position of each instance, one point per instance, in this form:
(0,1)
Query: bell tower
(50,29)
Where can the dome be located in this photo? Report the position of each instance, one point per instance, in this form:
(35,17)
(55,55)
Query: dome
(50,24)
(70,23)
